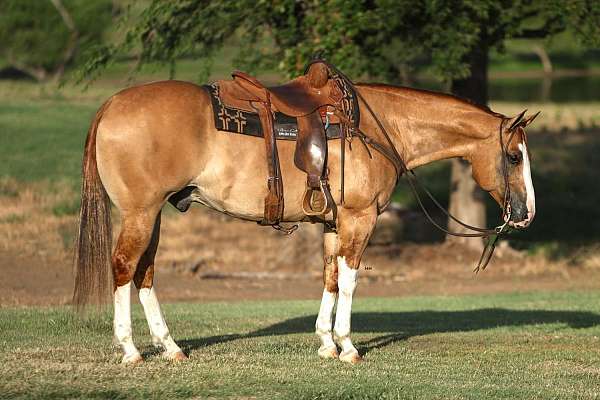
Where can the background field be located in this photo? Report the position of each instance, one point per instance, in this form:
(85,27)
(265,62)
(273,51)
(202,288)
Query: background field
(528,327)
(521,345)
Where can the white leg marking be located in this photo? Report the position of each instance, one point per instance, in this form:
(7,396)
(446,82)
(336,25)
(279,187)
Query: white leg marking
(156,322)
(323,325)
(122,324)
(347,284)
(528,183)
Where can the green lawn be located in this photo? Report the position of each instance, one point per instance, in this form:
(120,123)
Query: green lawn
(531,345)
(43,140)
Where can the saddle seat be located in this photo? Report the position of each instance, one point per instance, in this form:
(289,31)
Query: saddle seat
(297,98)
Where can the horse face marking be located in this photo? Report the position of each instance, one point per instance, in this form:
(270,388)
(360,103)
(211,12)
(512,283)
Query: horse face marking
(529,191)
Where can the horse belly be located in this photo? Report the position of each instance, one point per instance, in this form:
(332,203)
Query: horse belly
(234,177)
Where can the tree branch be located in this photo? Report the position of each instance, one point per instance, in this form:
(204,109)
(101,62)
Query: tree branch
(552,26)
(73,39)
(37,73)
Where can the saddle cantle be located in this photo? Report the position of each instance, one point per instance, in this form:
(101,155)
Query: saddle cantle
(305,99)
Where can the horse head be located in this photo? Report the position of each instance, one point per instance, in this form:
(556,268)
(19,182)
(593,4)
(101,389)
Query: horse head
(508,178)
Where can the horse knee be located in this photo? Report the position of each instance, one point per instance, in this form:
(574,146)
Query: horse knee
(347,277)
(330,275)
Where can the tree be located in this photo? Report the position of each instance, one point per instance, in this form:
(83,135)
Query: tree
(41,38)
(380,39)
(473,29)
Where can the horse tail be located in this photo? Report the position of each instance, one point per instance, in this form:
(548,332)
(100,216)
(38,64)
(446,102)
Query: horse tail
(92,261)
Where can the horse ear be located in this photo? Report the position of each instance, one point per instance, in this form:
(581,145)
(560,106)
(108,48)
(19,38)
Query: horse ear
(516,121)
(529,119)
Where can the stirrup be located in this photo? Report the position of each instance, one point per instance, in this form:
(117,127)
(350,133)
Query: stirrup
(316,201)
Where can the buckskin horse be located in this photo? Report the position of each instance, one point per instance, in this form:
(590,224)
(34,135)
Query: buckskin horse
(149,143)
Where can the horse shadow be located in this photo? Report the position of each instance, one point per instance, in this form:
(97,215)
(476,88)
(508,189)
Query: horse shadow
(399,326)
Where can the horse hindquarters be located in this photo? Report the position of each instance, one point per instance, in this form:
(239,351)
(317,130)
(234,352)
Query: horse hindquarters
(114,169)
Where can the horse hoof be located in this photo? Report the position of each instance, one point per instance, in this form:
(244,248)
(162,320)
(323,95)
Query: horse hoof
(177,356)
(328,352)
(132,359)
(351,357)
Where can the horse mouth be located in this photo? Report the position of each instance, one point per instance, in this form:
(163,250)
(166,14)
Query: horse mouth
(522,224)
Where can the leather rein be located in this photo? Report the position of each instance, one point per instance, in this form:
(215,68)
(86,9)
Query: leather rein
(391,153)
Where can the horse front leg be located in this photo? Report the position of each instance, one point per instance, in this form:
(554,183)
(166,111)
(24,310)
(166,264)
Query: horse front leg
(354,229)
(323,326)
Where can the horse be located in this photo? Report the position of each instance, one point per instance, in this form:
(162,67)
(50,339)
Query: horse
(149,142)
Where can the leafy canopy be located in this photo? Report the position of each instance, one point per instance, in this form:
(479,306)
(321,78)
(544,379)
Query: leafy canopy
(376,37)
(33,34)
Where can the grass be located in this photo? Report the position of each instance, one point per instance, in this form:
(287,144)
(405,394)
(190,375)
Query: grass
(520,345)
(43,140)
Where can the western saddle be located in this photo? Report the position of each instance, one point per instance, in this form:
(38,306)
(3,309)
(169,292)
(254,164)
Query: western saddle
(307,98)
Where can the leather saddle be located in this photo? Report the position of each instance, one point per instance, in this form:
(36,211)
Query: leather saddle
(307,99)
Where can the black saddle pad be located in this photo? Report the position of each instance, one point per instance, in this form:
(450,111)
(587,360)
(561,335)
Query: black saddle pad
(233,120)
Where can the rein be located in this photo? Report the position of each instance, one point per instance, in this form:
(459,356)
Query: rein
(391,153)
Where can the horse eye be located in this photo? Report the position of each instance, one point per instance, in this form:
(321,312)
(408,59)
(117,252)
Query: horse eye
(514,158)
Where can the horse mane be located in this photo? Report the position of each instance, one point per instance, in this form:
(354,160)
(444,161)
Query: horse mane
(398,89)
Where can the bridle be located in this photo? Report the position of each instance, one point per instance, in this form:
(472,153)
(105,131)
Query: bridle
(391,153)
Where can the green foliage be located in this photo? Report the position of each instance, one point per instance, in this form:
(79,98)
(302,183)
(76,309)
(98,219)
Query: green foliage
(34,36)
(378,38)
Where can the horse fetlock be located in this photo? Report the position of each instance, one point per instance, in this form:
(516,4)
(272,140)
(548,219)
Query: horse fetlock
(349,353)
(157,341)
(326,338)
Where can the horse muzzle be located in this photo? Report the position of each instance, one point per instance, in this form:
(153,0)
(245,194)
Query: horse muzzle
(521,217)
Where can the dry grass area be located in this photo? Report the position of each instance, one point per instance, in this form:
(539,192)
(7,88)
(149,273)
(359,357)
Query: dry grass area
(34,220)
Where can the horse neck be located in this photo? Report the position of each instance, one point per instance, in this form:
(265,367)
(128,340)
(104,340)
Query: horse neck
(426,126)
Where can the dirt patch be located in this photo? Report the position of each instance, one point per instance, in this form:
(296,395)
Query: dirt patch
(205,256)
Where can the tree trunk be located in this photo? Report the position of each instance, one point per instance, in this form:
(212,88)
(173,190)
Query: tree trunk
(466,198)
(69,52)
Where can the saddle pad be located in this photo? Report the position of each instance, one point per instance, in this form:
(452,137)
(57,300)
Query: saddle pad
(233,120)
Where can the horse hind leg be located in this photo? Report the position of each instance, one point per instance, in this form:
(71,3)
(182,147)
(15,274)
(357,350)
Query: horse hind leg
(134,238)
(323,326)
(143,279)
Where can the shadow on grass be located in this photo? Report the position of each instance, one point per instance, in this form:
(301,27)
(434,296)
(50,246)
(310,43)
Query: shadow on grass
(398,326)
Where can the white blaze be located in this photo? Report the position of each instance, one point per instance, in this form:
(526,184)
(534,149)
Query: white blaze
(528,183)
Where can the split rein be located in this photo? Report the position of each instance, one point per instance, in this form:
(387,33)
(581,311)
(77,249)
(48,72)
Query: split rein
(391,153)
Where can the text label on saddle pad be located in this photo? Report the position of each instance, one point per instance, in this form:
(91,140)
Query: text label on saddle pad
(233,120)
